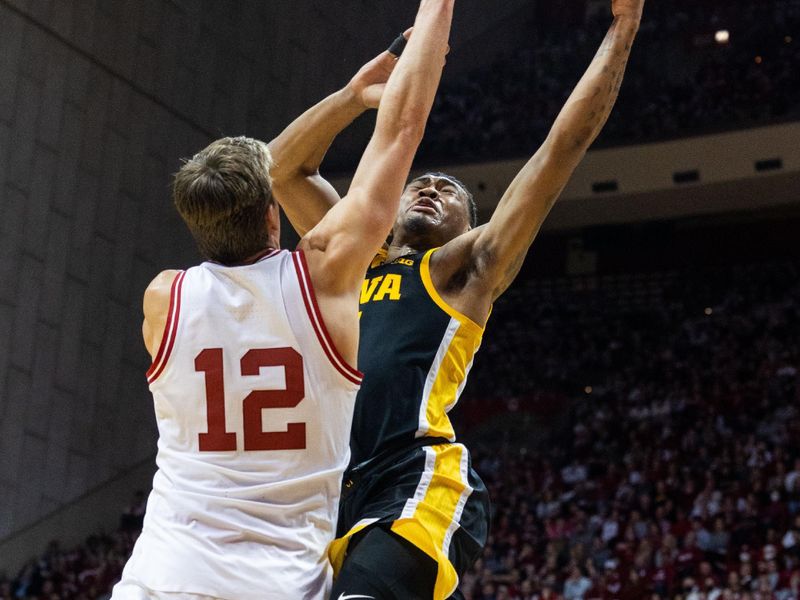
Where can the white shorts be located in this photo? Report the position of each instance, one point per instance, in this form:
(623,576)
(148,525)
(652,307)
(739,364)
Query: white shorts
(132,590)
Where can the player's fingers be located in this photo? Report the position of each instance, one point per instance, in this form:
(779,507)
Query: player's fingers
(399,44)
(386,60)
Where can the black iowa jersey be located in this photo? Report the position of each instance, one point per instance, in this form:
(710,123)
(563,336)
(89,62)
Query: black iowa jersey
(415,352)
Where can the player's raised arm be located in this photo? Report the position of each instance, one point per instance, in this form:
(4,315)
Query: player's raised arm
(496,251)
(346,240)
(298,151)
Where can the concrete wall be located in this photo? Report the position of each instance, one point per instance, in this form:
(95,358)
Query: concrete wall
(87,143)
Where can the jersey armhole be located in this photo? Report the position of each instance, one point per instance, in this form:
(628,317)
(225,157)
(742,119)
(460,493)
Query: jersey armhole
(347,371)
(427,281)
(170,329)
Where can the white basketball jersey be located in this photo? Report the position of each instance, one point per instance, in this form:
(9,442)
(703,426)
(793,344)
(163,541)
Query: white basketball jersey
(254,407)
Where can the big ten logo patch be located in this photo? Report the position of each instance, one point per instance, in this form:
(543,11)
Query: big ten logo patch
(381,288)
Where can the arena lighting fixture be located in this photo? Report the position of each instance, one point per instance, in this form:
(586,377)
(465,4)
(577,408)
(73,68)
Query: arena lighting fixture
(723,36)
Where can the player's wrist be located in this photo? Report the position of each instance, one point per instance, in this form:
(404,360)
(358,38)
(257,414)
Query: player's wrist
(632,19)
(352,98)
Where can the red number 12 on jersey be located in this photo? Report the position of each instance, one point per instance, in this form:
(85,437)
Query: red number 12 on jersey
(218,438)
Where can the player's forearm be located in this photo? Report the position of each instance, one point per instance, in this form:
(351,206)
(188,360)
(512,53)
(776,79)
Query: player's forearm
(590,104)
(411,89)
(300,148)
(534,191)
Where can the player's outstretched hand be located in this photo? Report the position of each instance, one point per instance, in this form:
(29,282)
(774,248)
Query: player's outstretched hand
(370,81)
(627,8)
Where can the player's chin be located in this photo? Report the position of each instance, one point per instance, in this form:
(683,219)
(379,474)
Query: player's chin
(420,221)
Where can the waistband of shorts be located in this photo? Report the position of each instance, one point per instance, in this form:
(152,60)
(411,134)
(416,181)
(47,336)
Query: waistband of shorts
(392,454)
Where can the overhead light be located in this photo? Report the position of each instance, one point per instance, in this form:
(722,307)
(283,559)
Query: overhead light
(723,36)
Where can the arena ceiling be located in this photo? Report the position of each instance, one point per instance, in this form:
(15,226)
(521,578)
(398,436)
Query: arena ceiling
(308,48)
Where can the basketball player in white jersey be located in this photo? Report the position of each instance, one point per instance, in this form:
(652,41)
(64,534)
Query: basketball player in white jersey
(252,352)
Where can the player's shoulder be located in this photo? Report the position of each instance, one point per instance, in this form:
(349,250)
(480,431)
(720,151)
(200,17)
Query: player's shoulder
(155,306)
(160,287)
(155,303)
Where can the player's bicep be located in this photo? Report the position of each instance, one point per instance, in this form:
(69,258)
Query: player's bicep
(344,243)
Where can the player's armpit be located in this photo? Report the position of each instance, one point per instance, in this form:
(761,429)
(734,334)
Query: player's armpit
(155,306)
(455,272)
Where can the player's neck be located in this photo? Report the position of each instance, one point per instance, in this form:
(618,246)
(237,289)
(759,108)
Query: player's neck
(404,244)
(395,252)
(254,258)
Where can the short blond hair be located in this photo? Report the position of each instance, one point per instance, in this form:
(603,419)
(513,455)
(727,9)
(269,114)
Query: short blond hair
(223,193)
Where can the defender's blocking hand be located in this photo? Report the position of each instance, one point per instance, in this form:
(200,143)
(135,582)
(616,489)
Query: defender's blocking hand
(368,84)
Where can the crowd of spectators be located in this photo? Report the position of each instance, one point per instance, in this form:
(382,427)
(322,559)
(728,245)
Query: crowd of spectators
(672,470)
(680,80)
(87,571)
(676,472)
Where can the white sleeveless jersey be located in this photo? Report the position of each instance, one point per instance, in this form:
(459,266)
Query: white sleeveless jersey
(254,407)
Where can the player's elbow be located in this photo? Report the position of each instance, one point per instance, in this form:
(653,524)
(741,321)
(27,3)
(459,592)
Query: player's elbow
(405,121)
(571,142)
(565,148)
(283,175)
(408,129)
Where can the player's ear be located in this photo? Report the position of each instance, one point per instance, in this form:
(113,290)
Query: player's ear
(273,218)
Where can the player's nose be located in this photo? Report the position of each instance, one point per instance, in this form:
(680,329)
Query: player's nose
(429,192)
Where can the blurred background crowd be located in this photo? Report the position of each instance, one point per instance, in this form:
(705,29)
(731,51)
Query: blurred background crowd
(702,67)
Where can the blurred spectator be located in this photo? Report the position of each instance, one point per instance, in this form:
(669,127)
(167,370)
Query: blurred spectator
(680,80)
(667,476)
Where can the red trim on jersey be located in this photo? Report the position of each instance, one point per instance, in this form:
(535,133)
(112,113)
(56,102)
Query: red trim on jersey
(267,254)
(309,298)
(170,329)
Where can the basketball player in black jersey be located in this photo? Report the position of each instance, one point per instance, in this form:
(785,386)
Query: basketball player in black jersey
(414,515)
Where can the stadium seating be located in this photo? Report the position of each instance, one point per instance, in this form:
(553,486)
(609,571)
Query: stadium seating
(681,81)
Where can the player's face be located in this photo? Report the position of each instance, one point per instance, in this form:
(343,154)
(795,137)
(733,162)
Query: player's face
(434,204)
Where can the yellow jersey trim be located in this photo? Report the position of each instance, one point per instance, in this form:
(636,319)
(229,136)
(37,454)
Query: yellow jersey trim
(379,258)
(425,272)
(449,376)
(337,549)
